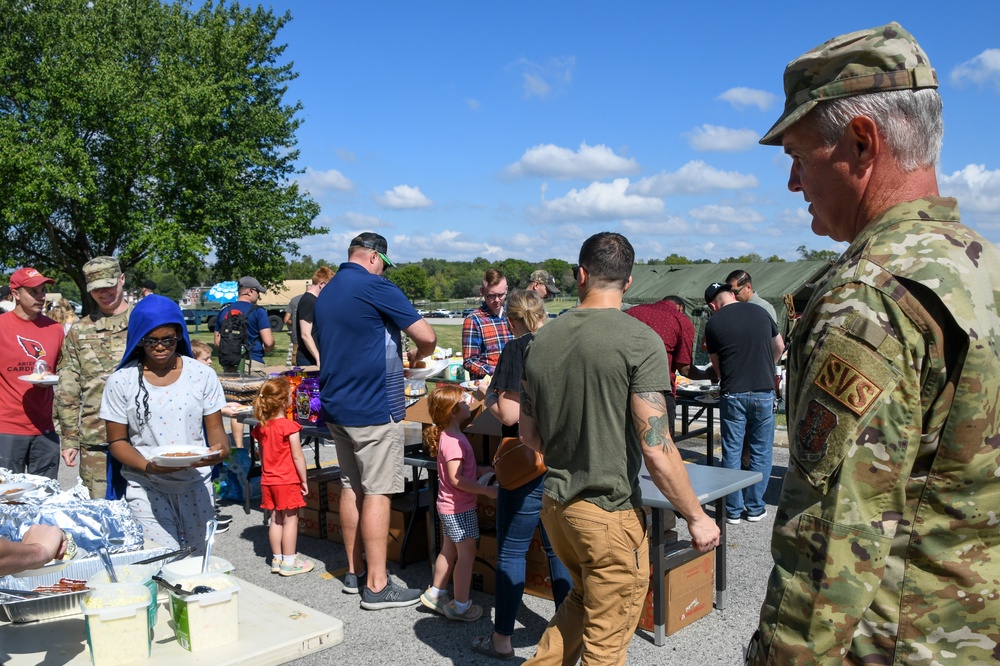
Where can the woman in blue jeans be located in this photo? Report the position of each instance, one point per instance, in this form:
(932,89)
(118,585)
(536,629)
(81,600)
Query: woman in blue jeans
(517,510)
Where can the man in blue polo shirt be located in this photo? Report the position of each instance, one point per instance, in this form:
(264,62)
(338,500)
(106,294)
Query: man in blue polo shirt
(358,319)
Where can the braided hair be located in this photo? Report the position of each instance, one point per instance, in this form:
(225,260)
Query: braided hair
(441,403)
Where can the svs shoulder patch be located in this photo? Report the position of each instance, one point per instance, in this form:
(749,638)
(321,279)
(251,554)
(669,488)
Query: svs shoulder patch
(847,385)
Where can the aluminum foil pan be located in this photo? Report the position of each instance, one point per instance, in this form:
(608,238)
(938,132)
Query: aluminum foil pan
(55,606)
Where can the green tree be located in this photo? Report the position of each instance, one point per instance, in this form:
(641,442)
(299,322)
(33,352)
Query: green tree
(817,255)
(676,260)
(517,272)
(562,272)
(411,279)
(148,131)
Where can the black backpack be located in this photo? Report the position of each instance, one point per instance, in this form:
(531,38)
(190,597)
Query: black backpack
(233,335)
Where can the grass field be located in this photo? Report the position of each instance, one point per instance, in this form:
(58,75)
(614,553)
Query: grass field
(448,336)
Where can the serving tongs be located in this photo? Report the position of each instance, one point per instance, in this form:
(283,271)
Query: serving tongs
(23,594)
(173,556)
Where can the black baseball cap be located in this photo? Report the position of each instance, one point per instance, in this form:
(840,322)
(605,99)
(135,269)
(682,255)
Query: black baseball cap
(715,289)
(373,241)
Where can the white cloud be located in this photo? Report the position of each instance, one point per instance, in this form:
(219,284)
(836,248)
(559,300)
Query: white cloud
(695,177)
(542,80)
(795,216)
(743,97)
(599,201)
(318,183)
(589,162)
(981,70)
(346,155)
(728,214)
(975,187)
(472,103)
(723,139)
(404,196)
(668,226)
(452,244)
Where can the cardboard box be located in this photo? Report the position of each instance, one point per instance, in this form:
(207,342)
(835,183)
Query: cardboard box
(319,481)
(333,491)
(312,523)
(537,580)
(486,512)
(484,576)
(690,590)
(333,531)
(416,548)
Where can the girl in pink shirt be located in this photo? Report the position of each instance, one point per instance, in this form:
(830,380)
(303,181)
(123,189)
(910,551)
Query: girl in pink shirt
(283,481)
(456,503)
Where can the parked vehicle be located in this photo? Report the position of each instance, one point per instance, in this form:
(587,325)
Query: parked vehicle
(197,310)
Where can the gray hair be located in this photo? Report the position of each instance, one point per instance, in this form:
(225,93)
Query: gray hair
(910,121)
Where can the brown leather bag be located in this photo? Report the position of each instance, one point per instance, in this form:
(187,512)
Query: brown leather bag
(515,464)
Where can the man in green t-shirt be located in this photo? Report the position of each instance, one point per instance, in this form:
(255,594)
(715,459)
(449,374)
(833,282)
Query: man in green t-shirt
(593,403)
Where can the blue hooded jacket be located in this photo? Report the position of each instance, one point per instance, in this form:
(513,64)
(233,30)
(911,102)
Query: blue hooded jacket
(152,312)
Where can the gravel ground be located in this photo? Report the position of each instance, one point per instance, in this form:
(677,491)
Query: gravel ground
(416,636)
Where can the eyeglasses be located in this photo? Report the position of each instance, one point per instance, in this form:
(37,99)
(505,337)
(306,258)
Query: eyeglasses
(153,343)
(576,272)
(495,297)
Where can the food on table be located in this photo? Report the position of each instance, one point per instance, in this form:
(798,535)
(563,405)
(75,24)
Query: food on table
(180,454)
(11,491)
(63,586)
(71,547)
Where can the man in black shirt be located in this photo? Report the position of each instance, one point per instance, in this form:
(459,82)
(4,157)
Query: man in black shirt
(744,344)
(307,352)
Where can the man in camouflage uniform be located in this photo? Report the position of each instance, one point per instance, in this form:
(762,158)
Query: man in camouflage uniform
(886,540)
(91,351)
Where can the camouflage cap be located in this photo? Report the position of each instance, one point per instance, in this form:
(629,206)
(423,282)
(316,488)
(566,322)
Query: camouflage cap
(101,272)
(544,277)
(873,60)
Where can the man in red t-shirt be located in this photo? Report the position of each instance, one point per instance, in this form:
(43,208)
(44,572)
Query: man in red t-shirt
(28,442)
(677,333)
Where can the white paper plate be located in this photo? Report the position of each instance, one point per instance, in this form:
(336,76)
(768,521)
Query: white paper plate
(470,385)
(51,567)
(14,491)
(433,368)
(159,455)
(46,380)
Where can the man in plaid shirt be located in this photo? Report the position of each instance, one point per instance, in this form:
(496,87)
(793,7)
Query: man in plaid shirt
(485,331)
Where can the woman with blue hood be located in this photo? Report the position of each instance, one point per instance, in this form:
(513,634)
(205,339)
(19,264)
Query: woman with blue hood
(161,396)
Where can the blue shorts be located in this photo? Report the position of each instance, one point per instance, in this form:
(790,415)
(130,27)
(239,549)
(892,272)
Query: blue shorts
(460,526)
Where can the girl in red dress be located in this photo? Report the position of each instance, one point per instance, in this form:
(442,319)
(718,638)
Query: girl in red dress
(283,482)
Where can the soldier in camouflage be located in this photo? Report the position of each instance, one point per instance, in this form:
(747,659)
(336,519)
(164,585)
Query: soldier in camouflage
(91,351)
(885,543)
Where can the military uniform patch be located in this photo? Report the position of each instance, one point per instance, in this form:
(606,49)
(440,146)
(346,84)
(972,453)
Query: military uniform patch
(813,431)
(847,385)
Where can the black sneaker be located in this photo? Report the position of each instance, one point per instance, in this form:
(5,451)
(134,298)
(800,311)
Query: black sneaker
(391,596)
(223,519)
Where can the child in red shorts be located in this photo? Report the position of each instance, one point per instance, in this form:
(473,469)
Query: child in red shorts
(283,482)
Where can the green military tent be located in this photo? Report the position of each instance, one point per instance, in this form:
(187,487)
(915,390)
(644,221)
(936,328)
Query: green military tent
(771,281)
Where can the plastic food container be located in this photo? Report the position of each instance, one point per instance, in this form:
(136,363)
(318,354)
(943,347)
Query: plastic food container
(141,574)
(191,566)
(209,620)
(117,624)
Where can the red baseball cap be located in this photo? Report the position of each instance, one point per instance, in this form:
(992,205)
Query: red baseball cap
(28,277)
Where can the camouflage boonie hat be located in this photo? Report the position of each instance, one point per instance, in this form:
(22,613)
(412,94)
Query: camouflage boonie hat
(544,277)
(874,60)
(101,272)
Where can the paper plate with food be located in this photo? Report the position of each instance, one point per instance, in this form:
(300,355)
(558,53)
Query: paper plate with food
(425,368)
(39,379)
(54,565)
(178,455)
(470,385)
(14,491)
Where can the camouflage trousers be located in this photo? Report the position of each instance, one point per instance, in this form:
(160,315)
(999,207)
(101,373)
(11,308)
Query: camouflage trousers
(94,470)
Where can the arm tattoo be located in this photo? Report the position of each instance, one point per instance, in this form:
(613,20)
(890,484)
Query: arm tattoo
(657,431)
(527,408)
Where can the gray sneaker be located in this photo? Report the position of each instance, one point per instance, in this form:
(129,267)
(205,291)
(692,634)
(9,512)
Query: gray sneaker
(353,582)
(391,596)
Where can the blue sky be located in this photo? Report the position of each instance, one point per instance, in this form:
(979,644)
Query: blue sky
(516,129)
